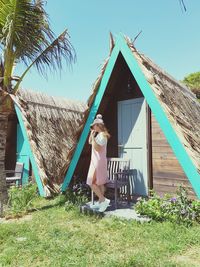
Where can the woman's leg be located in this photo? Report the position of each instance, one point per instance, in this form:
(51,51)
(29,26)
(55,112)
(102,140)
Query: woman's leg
(97,189)
(98,192)
(102,188)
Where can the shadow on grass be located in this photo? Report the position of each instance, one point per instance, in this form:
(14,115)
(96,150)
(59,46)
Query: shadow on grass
(59,203)
(38,205)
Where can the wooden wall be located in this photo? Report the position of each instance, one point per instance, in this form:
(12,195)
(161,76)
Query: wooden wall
(166,170)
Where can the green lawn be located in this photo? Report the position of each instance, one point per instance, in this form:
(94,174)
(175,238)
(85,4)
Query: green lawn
(55,237)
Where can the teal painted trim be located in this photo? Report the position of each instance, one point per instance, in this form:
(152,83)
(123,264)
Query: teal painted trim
(23,154)
(91,117)
(32,159)
(180,152)
(171,136)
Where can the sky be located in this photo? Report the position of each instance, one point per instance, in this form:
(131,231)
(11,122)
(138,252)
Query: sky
(170,37)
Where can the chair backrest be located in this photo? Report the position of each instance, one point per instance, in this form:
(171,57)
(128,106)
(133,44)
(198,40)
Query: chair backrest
(19,169)
(117,165)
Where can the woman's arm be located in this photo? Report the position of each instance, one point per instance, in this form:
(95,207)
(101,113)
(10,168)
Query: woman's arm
(90,138)
(93,142)
(99,141)
(95,145)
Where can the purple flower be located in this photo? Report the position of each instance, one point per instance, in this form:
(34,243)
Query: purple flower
(173,199)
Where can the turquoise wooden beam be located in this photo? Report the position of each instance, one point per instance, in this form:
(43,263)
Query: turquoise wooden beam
(32,159)
(90,118)
(171,136)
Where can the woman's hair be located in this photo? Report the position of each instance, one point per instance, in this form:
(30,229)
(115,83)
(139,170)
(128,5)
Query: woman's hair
(104,129)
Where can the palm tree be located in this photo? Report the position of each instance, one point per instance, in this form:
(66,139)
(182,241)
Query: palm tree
(25,36)
(182,4)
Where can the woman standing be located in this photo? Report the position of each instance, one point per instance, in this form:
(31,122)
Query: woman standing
(97,174)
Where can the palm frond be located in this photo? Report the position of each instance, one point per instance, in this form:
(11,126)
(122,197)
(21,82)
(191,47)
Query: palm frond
(24,26)
(1,72)
(25,34)
(51,56)
(182,4)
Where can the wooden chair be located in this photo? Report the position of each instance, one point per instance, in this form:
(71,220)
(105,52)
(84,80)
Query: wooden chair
(13,176)
(119,176)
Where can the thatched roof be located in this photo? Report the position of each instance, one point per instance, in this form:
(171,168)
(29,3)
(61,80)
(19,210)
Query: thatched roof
(51,124)
(179,103)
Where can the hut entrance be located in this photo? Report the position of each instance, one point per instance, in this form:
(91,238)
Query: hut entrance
(23,154)
(16,148)
(132,141)
(124,112)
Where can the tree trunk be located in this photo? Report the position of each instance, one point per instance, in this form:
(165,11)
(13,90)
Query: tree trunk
(6,108)
(3,134)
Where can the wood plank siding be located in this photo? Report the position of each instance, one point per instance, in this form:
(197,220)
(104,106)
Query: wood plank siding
(166,170)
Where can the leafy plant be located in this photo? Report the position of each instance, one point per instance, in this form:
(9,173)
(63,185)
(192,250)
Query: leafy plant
(21,198)
(179,209)
(193,82)
(76,195)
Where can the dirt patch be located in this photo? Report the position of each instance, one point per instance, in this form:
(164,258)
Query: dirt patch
(191,257)
(21,219)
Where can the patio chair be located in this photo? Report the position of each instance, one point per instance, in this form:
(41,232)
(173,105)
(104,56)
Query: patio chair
(15,176)
(119,176)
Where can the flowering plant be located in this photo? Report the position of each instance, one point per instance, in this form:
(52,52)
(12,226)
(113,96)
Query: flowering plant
(76,194)
(178,209)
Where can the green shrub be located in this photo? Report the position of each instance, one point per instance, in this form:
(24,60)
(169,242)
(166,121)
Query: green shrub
(69,205)
(21,198)
(179,209)
(76,195)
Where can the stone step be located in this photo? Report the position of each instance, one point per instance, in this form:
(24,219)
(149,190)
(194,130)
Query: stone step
(124,211)
(85,209)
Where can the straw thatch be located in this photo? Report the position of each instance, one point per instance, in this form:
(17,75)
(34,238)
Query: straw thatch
(51,124)
(179,103)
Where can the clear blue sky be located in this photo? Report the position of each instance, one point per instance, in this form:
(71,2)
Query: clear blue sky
(170,37)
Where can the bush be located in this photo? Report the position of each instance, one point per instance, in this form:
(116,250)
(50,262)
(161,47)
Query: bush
(179,209)
(76,195)
(21,198)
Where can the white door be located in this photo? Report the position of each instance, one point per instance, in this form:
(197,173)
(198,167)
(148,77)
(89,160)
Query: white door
(132,141)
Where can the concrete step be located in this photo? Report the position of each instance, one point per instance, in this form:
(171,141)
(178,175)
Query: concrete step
(124,211)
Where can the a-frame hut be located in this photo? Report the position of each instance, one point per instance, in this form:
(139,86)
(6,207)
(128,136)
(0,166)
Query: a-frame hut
(153,119)
(41,134)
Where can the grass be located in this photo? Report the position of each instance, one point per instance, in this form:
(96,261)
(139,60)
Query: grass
(55,237)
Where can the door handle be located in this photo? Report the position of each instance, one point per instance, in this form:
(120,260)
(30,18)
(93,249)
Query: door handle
(120,145)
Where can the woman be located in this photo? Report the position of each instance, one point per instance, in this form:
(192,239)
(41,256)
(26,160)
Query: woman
(97,174)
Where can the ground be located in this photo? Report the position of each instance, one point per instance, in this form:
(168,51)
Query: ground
(53,236)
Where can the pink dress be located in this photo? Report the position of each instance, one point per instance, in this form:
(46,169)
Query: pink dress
(98,163)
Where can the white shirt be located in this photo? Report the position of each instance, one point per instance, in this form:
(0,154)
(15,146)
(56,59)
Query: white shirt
(101,139)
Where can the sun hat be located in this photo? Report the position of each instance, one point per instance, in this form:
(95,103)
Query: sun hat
(98,120)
